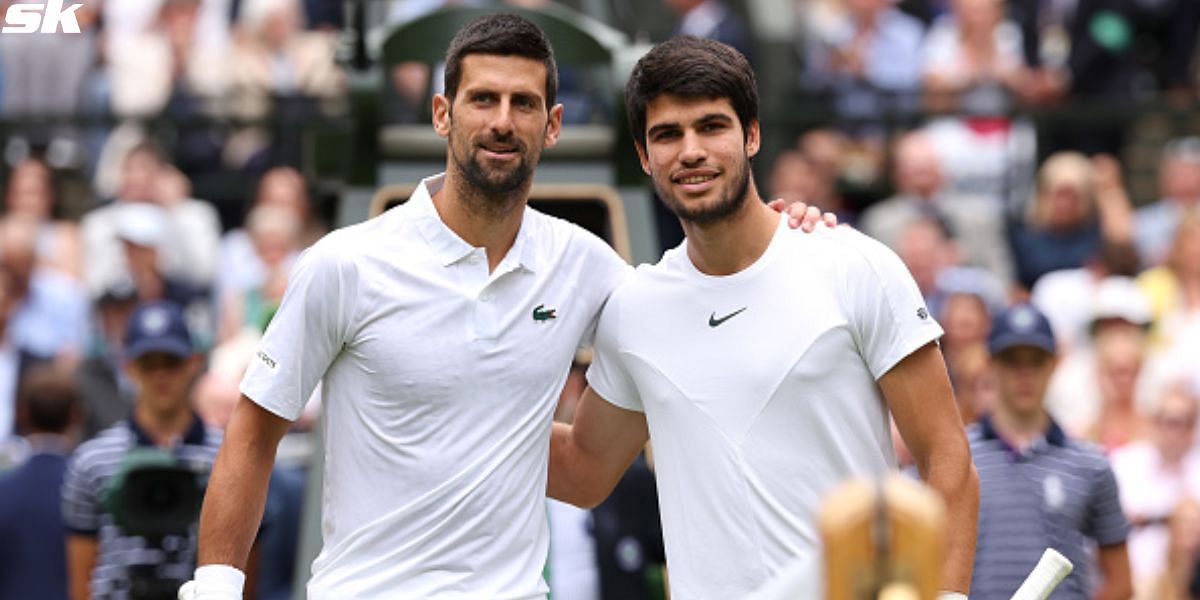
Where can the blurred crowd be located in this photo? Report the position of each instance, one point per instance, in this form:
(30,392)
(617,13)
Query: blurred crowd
(984,209)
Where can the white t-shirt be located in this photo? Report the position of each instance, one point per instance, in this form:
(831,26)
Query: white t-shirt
(760,393)
(1151,489)
(439,383)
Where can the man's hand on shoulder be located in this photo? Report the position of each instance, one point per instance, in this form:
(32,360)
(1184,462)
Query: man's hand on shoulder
(802,216)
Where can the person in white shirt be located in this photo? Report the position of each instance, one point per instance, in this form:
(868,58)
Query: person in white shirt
(761,364)
(442,332)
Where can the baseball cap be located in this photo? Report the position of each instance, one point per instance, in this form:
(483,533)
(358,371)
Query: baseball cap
(1120,298)
(1021,325)
(141,224)
(157,327)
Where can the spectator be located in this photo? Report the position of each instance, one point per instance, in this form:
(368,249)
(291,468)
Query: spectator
(107,389)
(279,67)
(275,234)
(239,266)
(795,177)
(173,70)
(1040,488)
(1097,392)
(31,192)
(1079,203)
(167,62)
(44,79)
(931,252)
(867,55)
(977,222)
(1057,293)
(712,19)
(103,560)
(192,233)
(973,65)
(973,59)
(1155,475)
(49,309)
(32,563)
(1179,582)
(1174,287)
(974,383)
(11,366)
(1179,190)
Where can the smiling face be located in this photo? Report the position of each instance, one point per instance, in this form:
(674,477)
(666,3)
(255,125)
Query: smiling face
(698,156)
(497,123)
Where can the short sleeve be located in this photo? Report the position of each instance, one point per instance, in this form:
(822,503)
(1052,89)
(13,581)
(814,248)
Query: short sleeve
(890,319)
(605,273)
(80,497)
(1108,524)
(608,375)
(306,334)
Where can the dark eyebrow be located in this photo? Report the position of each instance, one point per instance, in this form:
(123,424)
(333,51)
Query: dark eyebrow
(661,127)
(708,118)
(711,117)
(534,100)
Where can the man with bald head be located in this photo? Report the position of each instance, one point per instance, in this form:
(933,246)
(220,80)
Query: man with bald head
(977,222)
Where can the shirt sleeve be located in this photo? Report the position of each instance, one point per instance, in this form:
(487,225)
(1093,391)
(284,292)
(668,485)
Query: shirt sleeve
(608,375)
(1108,524)
(890,319)
(80,497)
(607,271)
(312,325)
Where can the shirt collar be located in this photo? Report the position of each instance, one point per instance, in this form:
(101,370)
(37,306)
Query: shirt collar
(1054,434)
(450,248)
(194,436)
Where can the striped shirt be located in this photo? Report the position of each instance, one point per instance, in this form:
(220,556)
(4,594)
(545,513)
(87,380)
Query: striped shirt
(1058,493)
(89,473)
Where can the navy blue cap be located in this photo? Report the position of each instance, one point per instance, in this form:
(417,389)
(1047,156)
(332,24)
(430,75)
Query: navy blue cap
(1021,325)
(157,327)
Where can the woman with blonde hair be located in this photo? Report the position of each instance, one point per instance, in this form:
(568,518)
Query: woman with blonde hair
(1078,203)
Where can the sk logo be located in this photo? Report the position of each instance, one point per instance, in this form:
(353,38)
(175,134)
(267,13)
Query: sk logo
(922,313)
(46,18)
(542,314)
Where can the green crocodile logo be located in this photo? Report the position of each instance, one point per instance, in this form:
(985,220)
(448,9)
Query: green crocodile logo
(542,314)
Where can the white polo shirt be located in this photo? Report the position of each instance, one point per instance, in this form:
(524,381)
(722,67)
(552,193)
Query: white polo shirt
(760,393)
(439,384)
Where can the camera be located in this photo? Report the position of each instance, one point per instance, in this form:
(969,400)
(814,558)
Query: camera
(154,497)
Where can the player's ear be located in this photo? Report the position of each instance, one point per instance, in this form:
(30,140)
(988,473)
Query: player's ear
(642,156)
(554,125)
(441,115)
(753,138)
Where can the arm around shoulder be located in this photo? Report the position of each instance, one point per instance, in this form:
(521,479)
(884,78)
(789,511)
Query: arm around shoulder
(920,398)
(588,458)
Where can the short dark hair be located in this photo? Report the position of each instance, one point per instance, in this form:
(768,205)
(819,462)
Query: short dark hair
(691,67)
(501,34)
(50,398)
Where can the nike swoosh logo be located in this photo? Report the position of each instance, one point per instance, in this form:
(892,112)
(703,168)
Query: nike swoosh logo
(713,321)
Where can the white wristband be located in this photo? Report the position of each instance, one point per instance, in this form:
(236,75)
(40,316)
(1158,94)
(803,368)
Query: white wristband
(219,582)
(951,596)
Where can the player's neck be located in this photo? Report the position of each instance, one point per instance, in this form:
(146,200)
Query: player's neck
(734,243)
(481,221)
(1020,429)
